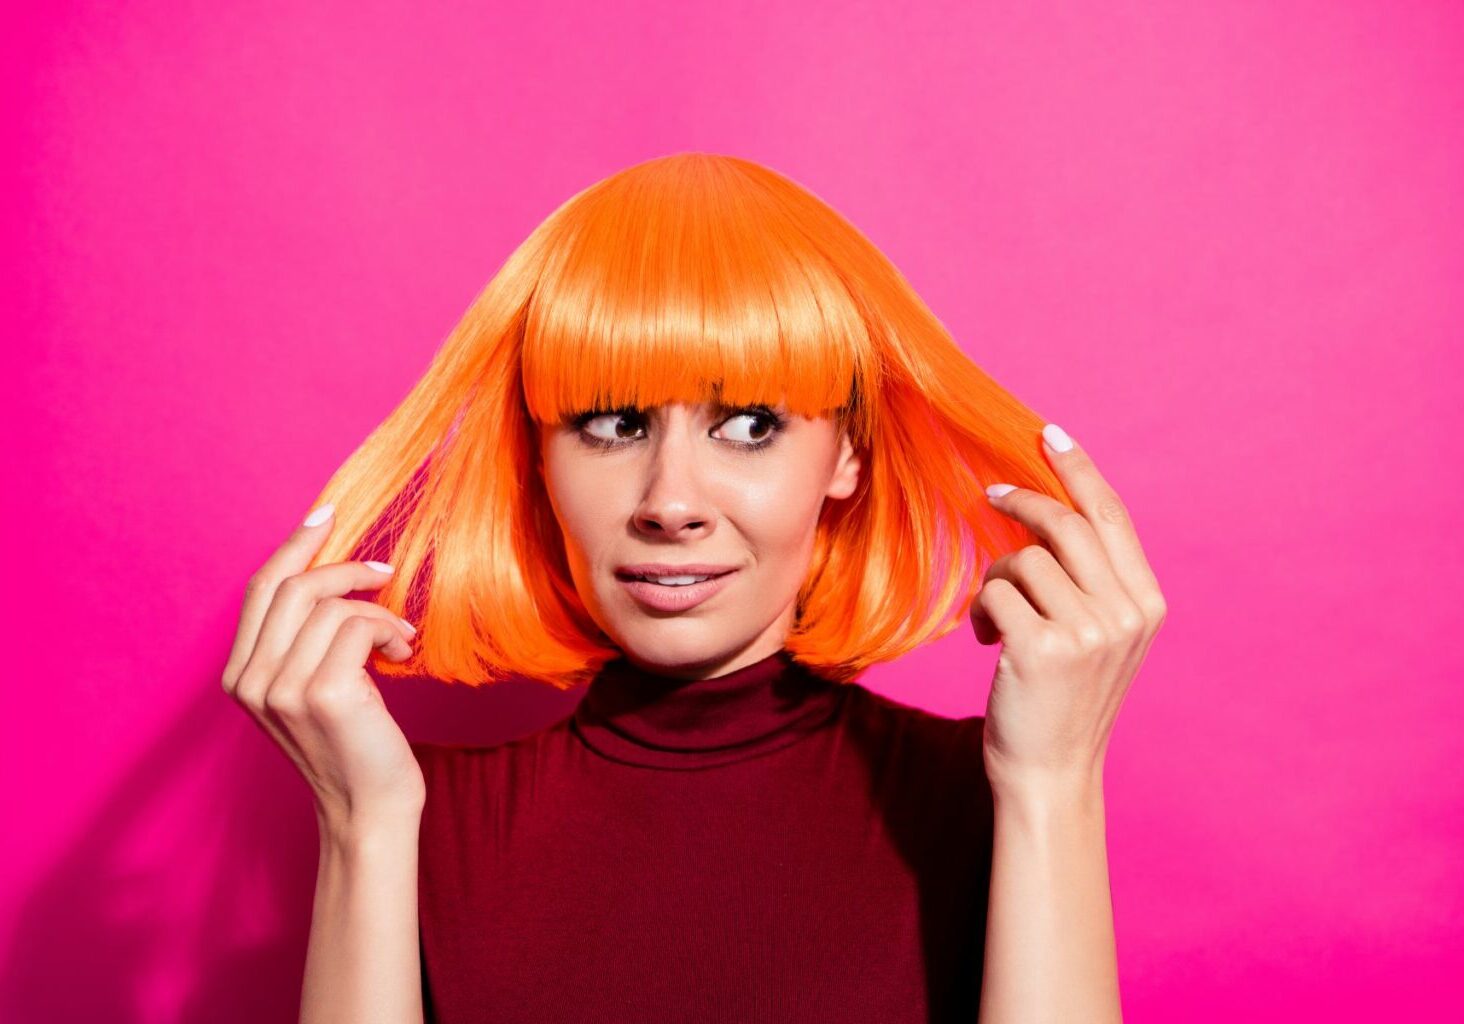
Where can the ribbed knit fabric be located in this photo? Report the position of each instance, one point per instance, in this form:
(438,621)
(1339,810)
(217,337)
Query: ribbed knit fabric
(763,846)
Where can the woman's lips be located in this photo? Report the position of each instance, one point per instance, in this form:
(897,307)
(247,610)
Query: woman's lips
(665,598)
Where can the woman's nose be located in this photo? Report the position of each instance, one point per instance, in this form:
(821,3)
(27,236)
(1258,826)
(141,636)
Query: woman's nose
(673,499)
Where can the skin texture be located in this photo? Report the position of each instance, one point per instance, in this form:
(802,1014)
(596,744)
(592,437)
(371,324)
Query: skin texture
(678,488)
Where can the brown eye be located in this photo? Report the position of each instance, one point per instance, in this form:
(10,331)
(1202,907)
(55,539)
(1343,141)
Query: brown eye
(767,426)
(605,428)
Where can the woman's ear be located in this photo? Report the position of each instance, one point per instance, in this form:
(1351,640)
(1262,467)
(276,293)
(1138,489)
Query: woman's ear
(846,470)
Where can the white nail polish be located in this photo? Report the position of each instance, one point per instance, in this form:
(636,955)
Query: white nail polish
(320,515)
(1057,438)
(997,490)
(380,566)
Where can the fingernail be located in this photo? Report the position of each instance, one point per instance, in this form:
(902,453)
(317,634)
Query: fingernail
(997,490)
(320,515)
(381,567)
(407,626)
(1056,438)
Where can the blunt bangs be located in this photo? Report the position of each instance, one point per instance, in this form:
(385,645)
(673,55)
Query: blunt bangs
(692,286)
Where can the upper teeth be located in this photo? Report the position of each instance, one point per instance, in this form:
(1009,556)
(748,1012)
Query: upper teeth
(676,581)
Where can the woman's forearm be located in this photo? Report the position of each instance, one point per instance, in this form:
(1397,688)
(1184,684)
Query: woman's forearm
(1051,956)
(363,963)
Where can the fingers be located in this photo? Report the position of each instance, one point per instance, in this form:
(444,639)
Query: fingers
(1096,545)
(1000,612)
(334,690)
(289,558)
(986,631)
(1066,533)
(298,665)
(1106,513)
(280,598)
(297,597)
(1045,587)
(1045,584)
(286,697)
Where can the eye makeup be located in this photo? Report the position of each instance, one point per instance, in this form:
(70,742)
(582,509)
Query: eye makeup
(775,425)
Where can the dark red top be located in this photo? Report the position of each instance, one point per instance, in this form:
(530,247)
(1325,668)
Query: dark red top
(766,845)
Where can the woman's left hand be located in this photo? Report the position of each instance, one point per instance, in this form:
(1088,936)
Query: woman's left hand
(1075,616)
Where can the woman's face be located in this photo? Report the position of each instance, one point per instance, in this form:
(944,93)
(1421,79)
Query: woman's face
(738,488)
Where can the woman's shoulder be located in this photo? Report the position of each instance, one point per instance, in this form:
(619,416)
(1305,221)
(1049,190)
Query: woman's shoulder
(916,748)
(877,710)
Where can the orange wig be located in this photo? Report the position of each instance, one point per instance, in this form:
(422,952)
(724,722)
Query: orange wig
(687,278)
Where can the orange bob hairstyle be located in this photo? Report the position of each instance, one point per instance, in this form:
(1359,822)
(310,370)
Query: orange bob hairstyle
(690,278)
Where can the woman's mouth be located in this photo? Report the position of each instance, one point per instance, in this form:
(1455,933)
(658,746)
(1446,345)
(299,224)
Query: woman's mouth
(674,593)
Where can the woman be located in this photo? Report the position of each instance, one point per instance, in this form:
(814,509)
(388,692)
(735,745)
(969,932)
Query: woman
(699,445)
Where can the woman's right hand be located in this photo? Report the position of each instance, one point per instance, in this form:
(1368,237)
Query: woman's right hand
(298,666)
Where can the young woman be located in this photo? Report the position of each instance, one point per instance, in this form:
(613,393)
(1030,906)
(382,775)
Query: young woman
(699,446)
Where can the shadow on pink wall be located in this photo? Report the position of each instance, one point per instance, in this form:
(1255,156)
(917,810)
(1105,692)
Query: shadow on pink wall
(188,897)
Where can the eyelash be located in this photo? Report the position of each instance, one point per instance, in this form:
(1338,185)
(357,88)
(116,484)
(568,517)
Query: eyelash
(776,422)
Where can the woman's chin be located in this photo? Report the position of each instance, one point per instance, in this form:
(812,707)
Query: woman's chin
(672,644)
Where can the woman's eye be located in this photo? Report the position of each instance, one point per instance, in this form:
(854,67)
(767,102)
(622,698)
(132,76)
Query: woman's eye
(617,429)
(760,420)
(612,420)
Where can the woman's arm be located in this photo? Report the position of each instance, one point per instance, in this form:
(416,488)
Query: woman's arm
(363,964)
(1075,615)
(299,667)
(1050,947)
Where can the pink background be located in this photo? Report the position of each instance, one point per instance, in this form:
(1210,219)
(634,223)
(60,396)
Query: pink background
(1219,243)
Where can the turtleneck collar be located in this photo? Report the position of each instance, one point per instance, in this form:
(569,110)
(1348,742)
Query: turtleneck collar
(640,717)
